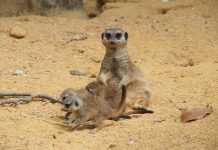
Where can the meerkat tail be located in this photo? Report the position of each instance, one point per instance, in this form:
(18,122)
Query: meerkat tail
(133,112)
(122,103)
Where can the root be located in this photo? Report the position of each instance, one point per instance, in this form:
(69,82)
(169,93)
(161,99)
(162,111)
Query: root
(13,98)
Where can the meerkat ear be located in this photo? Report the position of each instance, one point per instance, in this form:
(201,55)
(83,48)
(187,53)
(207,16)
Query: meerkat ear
(126,35)
(102,36)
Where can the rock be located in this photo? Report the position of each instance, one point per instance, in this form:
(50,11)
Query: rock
(131,142)
(165,1)
(18,32)
(48,57)
(19,72)
(112,146)
(60,132)
(77,73)
(80,51)
(79,37)
(91,8)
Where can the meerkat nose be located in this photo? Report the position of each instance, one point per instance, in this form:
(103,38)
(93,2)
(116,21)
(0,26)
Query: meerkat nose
(66,106)
(112,42)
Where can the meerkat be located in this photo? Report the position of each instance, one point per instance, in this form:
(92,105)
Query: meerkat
(117,64)
(89,107)
(65,96)
(113,97)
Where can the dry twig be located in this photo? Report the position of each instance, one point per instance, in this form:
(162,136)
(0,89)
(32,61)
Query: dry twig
(12,98)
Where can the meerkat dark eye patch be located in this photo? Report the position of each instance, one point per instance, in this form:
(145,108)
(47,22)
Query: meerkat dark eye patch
(76,104)
(63,98)
(108,35)
(118,35)
(126,35)
(102,36)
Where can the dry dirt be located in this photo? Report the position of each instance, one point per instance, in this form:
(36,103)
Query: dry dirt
(176,45)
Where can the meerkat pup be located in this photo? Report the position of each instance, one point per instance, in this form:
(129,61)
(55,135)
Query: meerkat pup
(113,97)
(117,63)
(89,107)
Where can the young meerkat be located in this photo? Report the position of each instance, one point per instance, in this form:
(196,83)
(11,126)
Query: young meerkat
(117,64)
(113,97)
(89,107)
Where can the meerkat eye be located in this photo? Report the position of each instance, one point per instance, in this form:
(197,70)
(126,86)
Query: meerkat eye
(76,104)
(126,35)
(108,35)
(118,35)
(63,98)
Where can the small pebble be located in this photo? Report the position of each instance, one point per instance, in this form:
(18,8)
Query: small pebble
(77,73)
(112,146)
(131,142)
(19,72)
(60,132)
(54,136)
(80,51)
(17,32)
(79,37)
(165,1)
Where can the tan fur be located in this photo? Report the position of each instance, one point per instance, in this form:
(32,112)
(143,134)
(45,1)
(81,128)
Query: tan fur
(113,96)
(117,64)
(89,107)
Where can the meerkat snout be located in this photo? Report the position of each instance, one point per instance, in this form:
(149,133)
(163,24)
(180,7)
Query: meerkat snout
(114,39)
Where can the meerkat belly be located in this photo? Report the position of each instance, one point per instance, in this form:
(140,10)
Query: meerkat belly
(107,62)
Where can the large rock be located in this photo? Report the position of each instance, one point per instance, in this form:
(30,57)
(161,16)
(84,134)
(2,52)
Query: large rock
(18,32)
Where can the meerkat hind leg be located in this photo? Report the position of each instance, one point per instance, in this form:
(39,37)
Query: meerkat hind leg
(98,123)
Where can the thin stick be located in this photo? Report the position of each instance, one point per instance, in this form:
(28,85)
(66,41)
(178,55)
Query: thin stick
(14,94)
(52,122)
(45,97)
(28,98)
(15,101)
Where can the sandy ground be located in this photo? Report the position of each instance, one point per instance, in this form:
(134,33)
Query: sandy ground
(176,45)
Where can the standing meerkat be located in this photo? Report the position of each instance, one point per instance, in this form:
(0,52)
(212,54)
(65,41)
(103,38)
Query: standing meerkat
(117,64)
(89,107)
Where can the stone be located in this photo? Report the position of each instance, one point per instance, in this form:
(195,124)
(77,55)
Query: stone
(17,32)
(79,37)
(131,142)
(77,73)
(19,72)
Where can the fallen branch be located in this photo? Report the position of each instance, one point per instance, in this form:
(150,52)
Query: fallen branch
(25,97)
(15,101)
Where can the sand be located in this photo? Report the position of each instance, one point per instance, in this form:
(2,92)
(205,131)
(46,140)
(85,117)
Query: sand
(174,43)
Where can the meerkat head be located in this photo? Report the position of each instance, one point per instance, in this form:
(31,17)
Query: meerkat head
(70,100)
(114,38)
(95,87)
(92,87)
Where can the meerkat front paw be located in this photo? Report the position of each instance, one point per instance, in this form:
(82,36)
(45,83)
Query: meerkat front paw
(73,125)
(102,79)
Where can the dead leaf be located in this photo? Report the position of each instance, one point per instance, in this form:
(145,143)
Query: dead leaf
(195,114)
